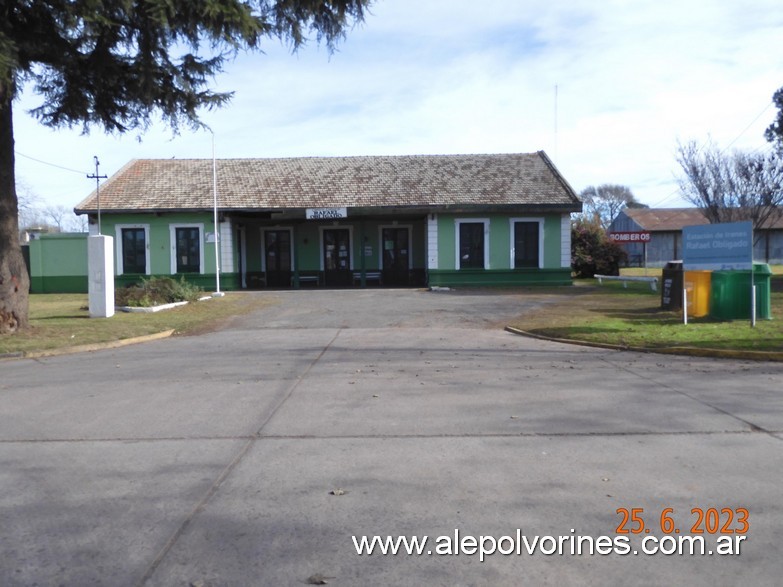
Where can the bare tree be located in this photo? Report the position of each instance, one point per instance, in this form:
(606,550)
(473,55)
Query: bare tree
(732,187)
(29,212)
(57,215)
(604,203)
(77,223)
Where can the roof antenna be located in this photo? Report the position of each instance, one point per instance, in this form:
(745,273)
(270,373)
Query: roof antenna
(97,177)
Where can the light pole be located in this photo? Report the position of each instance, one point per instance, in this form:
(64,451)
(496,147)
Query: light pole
(217,293)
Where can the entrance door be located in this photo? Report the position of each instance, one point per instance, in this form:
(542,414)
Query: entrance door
(396,256)
(277,251)
(337,256)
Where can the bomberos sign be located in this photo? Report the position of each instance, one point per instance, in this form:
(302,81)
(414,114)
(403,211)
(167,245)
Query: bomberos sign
(630,237)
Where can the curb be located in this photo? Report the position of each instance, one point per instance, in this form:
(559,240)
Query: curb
(683,351)
(86,348)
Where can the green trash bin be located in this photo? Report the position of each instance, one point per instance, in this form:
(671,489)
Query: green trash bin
(762,279)
(730,293)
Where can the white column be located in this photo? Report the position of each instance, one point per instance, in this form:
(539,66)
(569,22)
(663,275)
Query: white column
(565,240)
(226,247)
(100,271)
(432,241)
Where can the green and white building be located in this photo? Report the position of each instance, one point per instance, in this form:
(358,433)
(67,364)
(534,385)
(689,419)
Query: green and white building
(450,220)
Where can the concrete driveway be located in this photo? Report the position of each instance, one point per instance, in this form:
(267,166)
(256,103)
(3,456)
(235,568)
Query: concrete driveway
(252,456)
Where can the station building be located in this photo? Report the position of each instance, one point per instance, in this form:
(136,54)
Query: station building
(445,220)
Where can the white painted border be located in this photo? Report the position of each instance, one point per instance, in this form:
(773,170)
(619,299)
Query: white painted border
(264,230)
(173,244)
(226,247)
(565,241)
(410,243)
(432,241)
(457,222)
(540,221)
(242,237)
(347,227)
(118,249)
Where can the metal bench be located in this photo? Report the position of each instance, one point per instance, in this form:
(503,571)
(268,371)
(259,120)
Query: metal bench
(307,279)
(653,281)
(368,276)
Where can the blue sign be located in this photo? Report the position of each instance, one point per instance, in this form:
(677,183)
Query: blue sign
(718,246)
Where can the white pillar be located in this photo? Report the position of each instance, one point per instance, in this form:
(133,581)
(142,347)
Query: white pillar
(432,241)
(100,269)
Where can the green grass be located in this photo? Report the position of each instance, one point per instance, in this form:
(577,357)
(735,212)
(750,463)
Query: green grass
(610,314)
(62,320)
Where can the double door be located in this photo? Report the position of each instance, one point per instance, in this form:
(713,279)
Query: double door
(395,242)
(277,256)
(337,257)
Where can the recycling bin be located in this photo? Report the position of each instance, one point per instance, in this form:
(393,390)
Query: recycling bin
(697,284)
(671,286)
(762,279)
(730,297)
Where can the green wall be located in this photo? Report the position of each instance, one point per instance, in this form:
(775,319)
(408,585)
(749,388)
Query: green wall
(58,263)
(499,240)
(160,237)
(498,277)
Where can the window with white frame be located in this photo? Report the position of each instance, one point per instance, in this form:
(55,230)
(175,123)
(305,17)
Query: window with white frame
(187,251)
(527,243)
(133,251)
(472,243)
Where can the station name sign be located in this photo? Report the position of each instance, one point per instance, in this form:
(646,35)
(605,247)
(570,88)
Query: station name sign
(727,246)
(630,237)
(326,213)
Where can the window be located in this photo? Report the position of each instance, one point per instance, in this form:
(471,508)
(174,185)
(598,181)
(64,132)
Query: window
(472,245)
(133,249)
(187,252)
(526,243)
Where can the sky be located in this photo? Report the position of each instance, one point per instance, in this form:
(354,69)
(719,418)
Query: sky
(607,88)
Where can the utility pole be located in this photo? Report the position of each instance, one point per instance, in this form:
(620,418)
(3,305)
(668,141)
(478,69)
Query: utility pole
(97,177)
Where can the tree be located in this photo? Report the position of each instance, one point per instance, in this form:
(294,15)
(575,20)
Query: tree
(58,216)
(117,64)
(592,252)
(774,132)
(604,203)
(732,187)
(27,204)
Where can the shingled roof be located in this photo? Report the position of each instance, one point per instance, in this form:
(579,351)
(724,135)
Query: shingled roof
(528,179)
(665,219)
(674,219)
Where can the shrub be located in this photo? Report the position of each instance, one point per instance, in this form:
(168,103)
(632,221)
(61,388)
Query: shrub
(156,291)
(592,251)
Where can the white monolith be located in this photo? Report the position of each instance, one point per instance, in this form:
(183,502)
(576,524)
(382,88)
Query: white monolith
(100,268)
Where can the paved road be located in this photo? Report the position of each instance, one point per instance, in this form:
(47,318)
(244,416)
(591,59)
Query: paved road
(210,460)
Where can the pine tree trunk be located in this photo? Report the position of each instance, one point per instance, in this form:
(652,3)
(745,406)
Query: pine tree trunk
(14,281)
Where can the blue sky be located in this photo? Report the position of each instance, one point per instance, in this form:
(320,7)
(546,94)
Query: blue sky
(452,76)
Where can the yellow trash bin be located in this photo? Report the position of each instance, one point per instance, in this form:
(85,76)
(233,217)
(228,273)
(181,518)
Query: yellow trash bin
(697,284)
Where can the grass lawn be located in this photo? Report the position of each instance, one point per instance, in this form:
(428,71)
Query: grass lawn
(611,314)
(62,320)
